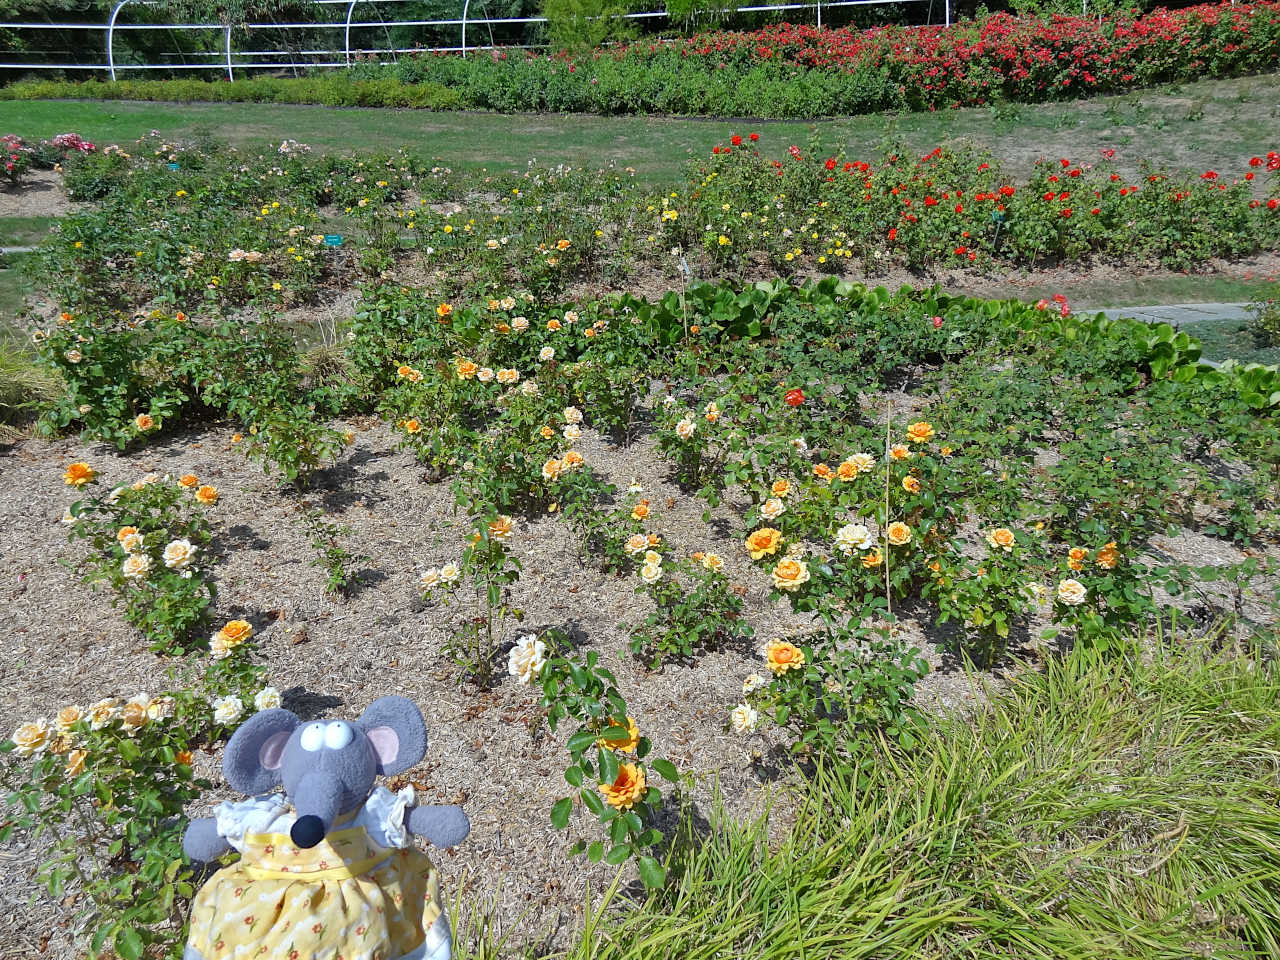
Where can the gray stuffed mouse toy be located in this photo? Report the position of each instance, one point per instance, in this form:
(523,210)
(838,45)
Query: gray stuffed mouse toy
(328,869)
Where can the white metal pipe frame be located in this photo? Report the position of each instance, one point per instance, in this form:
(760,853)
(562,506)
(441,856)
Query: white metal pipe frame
(229,59)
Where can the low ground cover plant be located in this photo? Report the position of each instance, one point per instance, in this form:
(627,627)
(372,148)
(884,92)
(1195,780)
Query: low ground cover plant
(785,70)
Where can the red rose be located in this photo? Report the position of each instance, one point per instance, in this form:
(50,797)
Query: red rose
(937,323)
(753,137)
(893,234)
(831,163)
(794,397)
(736,140)
(1255,161)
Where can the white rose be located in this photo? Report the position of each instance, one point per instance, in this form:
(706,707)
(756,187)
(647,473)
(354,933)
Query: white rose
(685,428)
(651,572)
(572,432)
(227,710)
(773,508)
(136,566)
(430,578)
(179,553)
(450,574)
(753,683)
(527,658)
(744,718)
(1072,592)
(268,698)
(572,415)
(547,354)
(853,536)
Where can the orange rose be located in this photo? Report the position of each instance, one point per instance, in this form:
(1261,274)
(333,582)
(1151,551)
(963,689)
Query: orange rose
(900,452)
(1001,538)
(78,474)
(443,310)
(847,470)
(143,421)
(640,511)
(911,484)
(467,369)
(235,632)
(124,533)
(207,495)
(1108,556)
(183,756)
(872,559)
(627,789)
(781,488)
(189,480)
(766,540)
(553,324)
(898,533)
(920,432)
(412,426)
(782,655)
(629,744)
(822,472)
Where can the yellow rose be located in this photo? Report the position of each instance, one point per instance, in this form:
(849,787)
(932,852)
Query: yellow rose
(764,541)
(78,474)
(75,763)
(920,432)
(207,495)
(898,533)
(1001,538)
(781,488)
(31,738)
(790,575)
(782,655)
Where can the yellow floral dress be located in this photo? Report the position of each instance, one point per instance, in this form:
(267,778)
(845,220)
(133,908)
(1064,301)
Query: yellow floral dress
(363,893)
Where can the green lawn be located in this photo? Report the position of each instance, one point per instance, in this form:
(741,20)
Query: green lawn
(1213,123)
(24,231)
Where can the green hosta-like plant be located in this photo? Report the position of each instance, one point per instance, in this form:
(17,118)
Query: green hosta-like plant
(150,543)
(105,787)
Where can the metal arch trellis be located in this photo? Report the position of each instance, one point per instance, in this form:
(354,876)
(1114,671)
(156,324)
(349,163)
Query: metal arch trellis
(111,32)
(228,62)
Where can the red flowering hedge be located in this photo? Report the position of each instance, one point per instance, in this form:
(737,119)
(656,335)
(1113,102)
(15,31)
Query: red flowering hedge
(955,207)
(788,70)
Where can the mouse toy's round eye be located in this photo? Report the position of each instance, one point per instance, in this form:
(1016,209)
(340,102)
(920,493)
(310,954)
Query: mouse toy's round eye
(337,735)
(312,738)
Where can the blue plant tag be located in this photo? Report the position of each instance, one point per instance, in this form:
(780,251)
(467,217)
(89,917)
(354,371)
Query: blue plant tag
(333,239)
(172,166)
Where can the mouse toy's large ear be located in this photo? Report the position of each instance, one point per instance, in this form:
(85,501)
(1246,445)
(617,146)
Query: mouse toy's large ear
(252,760)
(395,728)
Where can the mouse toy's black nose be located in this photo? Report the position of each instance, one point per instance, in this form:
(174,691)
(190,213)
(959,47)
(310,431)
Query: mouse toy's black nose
(307,831)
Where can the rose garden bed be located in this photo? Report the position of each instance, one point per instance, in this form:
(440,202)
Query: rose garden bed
(768,523)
